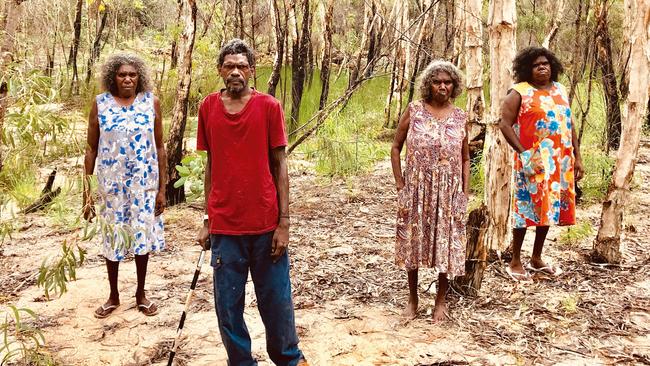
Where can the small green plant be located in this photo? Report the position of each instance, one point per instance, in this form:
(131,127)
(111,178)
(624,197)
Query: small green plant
(477,176)
(598,173)
(192,172)
(22,343)
(54,275)
(574,234)
(570,304)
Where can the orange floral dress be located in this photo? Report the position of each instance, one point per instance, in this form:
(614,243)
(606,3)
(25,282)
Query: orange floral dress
(543,183)
(432,205)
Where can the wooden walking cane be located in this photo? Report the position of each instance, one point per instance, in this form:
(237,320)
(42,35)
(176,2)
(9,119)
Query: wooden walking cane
(179,332)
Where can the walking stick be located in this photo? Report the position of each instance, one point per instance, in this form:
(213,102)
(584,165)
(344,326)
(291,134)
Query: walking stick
(172,353)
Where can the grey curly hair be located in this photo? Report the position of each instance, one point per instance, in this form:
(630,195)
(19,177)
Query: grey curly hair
(113,64)
(426,78)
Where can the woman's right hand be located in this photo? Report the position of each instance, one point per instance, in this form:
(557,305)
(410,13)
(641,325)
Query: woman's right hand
(88,208)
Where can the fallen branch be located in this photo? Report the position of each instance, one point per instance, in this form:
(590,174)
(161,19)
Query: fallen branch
(47,195)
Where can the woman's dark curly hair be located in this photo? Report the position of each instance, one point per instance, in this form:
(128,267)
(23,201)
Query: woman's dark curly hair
(113,64)
(522,65)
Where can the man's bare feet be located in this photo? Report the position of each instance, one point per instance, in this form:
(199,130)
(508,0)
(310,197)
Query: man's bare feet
(439,311)
(411,309)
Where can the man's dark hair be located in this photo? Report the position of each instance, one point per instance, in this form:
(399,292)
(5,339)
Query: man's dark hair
(522,65)
(235,47)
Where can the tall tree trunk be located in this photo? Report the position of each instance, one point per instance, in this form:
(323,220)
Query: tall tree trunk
(604,58)
(373,41)
(280,33)
(11,18)
(400,64)
(367,23)
(327,55)
(558,14)
(474,67)
(460,17)
(608,246)
(94,53)
(174,144)
(476,261)
(299,58)
(502,25)
(74,49)
(430,9)
(580,44)
(240,18)
(174,52)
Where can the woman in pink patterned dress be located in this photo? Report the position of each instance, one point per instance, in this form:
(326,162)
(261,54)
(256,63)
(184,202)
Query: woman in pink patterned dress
(432,191)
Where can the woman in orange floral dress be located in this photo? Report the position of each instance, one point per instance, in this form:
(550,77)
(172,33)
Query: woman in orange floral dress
(432,190)
(536,121)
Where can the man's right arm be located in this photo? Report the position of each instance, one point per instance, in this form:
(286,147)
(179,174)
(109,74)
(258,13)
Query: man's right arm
(204,233)
(202,144)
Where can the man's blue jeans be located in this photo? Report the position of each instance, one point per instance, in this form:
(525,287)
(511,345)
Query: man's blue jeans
(232,257)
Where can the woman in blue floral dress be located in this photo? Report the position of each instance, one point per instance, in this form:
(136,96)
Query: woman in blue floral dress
(125,143)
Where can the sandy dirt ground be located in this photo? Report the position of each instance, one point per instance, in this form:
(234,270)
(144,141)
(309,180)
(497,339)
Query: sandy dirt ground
(349,294)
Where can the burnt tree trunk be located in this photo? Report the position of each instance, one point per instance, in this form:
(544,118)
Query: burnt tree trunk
(280,34)
(327,56)
(74,49)
(94,53)
(606,65)
(174,145)
(373,42)
(476,255)
(299,58)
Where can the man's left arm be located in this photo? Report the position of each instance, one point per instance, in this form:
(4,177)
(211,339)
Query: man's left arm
(278,165)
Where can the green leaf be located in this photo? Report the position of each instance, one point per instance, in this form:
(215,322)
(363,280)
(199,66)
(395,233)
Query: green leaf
(181,181)
(183,171)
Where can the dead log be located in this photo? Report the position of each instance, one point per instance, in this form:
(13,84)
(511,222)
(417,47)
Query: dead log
(47,195)
(476,256)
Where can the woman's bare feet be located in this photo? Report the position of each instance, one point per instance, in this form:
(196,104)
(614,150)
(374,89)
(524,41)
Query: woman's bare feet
(411,309)
(439,311)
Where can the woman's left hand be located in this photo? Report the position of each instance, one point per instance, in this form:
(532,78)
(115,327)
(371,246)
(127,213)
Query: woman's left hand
(578,169)
(161,202)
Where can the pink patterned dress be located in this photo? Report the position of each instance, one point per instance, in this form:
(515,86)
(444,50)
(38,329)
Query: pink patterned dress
(432,205)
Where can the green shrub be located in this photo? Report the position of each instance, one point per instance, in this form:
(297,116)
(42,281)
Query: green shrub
(573,235)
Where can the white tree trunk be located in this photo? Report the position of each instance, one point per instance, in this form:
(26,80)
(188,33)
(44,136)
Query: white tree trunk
(608,245)
(502,24)
(558,14)
(460,17)
(474,66)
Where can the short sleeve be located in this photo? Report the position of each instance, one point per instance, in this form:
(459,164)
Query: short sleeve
(201,135)
(277,133)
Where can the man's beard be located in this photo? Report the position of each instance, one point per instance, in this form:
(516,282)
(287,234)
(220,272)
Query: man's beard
(237,88)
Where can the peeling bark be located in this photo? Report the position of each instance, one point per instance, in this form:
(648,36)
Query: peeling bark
(502,24)
(608,245)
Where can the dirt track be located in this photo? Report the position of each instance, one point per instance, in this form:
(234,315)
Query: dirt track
(349,294)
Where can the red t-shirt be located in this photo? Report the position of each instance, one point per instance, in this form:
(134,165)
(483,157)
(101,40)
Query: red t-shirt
(243,197)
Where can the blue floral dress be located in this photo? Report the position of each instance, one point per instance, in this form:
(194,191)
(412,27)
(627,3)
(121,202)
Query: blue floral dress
(127,176)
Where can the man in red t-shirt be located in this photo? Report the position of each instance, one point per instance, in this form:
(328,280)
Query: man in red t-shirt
(247,209)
